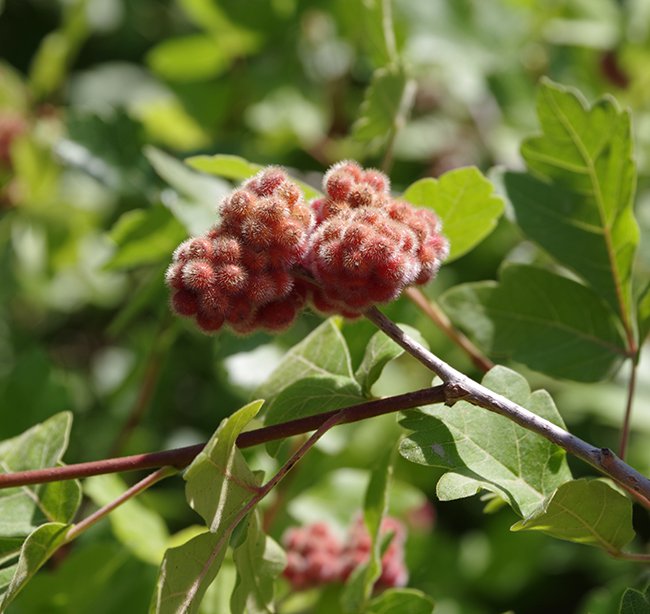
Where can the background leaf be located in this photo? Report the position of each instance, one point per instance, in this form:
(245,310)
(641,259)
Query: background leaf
(466,204)
(485,451)
(584,218)
(550,323)
(644,314)
(259,561)
(635,602)
(585,511)
(401,601)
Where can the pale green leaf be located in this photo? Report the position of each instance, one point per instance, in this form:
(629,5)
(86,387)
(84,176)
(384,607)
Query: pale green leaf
(139,528)
(547,322)
(465,202)
(484,451)
(358,589)
(635,602)
(219,482)
(323,352)
(381,105)
(585,511)
(36,550)
(401,601)
(196,195)
(144,236)
(584,215)
(238,169)
(22,509)
(259,561)
(379,352)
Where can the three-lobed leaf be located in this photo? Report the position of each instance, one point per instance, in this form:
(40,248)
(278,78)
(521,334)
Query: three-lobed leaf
(581,209)
(484,451)
(587,511)
(466,204)
(548,322)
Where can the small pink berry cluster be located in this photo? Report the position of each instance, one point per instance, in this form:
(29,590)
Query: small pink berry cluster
(368,247)
(240,272)
(315,556)
(358,245)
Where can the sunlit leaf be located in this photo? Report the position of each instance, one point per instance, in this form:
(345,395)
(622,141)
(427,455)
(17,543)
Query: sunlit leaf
(23,509)
(581,212)
(237,169)
(548,322)
(259,561)
(484,451)
(139,528)
(586,511)
(36,550)
(466,204)
(144,236)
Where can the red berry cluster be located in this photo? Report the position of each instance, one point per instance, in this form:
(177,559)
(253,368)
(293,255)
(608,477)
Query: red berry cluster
(368,247)
(315,556)
(358,244)
(240,272)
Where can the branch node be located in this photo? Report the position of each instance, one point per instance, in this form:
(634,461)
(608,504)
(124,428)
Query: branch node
(455,392)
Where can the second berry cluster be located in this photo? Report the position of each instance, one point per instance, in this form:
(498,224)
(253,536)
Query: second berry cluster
(271,253)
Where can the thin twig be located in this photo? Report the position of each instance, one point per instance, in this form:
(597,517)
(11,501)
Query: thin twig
(440,319)
(136,489)
(625,430)
(181,457)
(602,459)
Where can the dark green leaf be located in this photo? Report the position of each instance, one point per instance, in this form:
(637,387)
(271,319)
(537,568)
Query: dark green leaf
(484,451)
(549,323)
(36,550)
(644,314)
(401,601)
(584,216)
(635,602)
(194,202)
(259,561)
(22,509)
(145,236)
(585,511)
(465,202)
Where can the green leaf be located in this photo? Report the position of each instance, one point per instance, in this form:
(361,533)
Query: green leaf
(547,322)
(187,571)
(219,482)
(643,316)
(139,528)
(36,550)
(194,203)
(259,560)
(144,236)
(401,601)
(381,105)
(218,486)
(635,602)
(374,20)
(22,509)
(323,352)
(484,451)
(379,352)
(358,589)
(584,215)
(586,511)
(238,169)
(466,204)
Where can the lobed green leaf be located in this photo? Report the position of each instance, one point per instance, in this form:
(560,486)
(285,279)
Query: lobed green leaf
(586,511)
(466,204)
(581,211)
(547,322)
(484,451)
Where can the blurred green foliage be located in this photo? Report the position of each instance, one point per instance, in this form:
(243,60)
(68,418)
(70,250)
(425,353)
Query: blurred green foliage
(103,96)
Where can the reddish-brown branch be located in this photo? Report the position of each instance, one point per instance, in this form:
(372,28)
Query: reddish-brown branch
(181,457)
